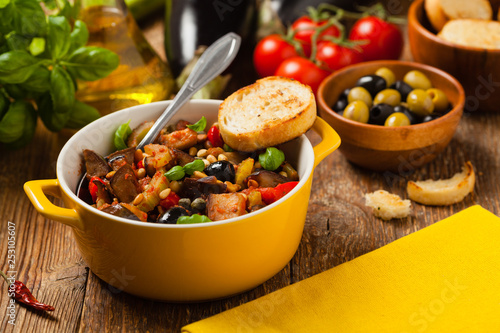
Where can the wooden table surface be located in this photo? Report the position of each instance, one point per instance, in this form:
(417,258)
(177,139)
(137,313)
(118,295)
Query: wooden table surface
(338,228)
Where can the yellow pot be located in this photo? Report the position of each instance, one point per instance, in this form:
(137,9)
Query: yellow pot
(180,262)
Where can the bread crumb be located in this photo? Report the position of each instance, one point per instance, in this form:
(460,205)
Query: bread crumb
(388,206)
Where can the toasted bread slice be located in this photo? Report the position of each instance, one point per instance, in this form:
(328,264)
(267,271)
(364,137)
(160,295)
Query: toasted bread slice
(472,33)
(388,206)
(435,14)
(271,111)
(467,9)
(443,191)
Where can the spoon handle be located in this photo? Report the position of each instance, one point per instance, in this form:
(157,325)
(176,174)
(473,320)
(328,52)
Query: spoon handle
(212,62)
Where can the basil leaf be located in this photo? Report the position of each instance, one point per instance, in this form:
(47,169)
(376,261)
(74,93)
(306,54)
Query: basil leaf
(17,66)
(17,41)
(82,115)
(79,35)
(62,89)
(196,165)
(54,121)
(37,46)
(199,125)
(59,36)
(6,14)
(195,218)
(121,136)
(175,173)
(15,91)
(4,3)
(18,121)
(39,81)
(91,63)
(271,159)
(28,17)
(4,104)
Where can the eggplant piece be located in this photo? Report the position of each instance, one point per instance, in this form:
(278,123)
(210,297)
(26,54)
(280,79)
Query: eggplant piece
(121,157)
(95,164)
(182,158)
(192,23)
(267,178)
(225,206)
(193,188)
(120,211)
(102,195)
(124,184)
(171,215)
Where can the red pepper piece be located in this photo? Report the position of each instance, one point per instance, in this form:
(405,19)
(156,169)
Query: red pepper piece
(23,295)
(140,164)
(93,187)
(272,194)
(171,200)
(214,137)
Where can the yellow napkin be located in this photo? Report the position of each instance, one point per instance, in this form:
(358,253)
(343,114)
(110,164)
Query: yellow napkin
(443,278)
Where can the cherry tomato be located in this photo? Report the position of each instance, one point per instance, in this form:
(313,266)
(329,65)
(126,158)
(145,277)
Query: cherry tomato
(302,70)
(213,135)
(334,57)
(305,28)
(384,39)
(171,200)
(270,53)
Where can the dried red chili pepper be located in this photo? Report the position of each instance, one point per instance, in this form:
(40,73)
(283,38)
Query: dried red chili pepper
(22,294)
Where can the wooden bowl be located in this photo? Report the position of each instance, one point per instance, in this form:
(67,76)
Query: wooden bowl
(395,149)
(478,70)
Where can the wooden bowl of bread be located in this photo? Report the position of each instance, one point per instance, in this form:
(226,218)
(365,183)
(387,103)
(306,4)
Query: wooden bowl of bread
(462,38)
(387,148)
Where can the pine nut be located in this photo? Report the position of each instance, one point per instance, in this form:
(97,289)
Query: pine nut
(141,173)
(138,155)
(199,174)
(207,163)
(211,158)
(110,174)
(201,137)
(222,157)
(252,183)
(202,153)
(138,199)
(175,186)
(283,173)
(165,193)
(257,165)
(193,151)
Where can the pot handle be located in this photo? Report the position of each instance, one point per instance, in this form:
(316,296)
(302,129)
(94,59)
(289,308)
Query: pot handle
(330,140)
(37,191)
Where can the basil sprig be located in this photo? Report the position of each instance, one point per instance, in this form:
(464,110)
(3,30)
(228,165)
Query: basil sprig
(41,57)
(272,158)
(199,125)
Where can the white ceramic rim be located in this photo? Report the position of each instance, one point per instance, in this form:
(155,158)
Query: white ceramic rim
(308,154)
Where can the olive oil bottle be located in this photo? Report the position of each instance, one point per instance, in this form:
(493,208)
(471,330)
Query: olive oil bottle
(142,77)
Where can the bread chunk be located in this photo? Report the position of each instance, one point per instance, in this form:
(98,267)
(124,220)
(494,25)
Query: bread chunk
(472,33)
(443,191)
(269,112)
(388,206)
(435,14)
(467,9)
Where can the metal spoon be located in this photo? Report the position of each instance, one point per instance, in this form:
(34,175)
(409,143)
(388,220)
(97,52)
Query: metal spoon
(216,58)
(212,62)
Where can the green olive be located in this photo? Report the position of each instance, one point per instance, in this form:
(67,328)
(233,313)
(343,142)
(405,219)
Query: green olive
(397,119)
(357,111)
(388,96)
(439,99)
(360,94)
(417,80)
(419,102)
(387,74)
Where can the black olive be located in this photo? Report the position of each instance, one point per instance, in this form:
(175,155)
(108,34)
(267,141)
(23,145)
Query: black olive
(343,94)
(222,170)
(372,83)
(340,105)
(171,215)
(429,118)
(414,119)
(379,113)
(403,88)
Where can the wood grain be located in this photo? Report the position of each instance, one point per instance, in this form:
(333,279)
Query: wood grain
(339,228)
